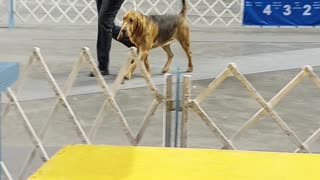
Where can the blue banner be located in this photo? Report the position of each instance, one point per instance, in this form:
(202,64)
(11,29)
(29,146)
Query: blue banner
(282,12)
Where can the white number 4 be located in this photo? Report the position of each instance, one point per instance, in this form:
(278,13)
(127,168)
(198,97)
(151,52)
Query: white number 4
(267,10)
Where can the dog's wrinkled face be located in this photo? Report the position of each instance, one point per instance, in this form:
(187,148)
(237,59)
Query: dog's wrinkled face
(130,24)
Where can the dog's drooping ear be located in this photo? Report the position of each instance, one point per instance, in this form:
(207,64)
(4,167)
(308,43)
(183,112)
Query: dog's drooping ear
(125,21)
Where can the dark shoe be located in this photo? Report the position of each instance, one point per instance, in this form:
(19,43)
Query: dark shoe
(103,73)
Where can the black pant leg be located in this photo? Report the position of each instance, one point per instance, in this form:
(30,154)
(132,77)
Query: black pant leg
(98,3)
(106,17)
(99,36)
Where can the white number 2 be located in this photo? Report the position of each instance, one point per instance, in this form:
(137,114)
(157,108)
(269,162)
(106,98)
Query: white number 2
(288,10)
(267,10)
(307,8)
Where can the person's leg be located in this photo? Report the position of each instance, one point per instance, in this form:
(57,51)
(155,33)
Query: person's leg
(106,17)
(125,40)
(100,43)
(98,3)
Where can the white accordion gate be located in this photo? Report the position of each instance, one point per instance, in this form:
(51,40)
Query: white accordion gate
(189,105)
(165,99)
(62,104)
(200,12)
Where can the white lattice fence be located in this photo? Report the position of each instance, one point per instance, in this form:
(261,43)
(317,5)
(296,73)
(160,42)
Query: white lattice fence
(214,12)
(4,6)
(78,11)
(58,11)
(200,12)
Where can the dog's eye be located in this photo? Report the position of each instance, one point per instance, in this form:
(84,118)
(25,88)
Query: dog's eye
(130,20)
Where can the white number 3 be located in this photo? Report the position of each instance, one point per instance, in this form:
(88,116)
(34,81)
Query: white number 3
(288,10)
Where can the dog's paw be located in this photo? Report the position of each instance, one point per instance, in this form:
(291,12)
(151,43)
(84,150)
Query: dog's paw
(190,69)
(164,71)
(127,77)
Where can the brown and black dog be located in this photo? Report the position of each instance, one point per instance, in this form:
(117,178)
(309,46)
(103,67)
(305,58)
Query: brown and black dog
(152,31)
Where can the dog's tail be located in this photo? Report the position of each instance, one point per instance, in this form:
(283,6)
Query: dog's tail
(184,8)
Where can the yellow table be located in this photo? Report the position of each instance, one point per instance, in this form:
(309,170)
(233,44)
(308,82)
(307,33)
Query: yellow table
(99,162)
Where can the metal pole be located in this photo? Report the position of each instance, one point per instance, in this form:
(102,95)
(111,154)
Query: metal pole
(184,115)
(167,110)
(177,108)
(11,14)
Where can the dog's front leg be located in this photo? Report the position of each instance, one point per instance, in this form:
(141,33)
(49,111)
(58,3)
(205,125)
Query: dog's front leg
(144,58)
(131,69)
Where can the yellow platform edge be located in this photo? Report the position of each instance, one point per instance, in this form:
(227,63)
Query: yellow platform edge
(95,162)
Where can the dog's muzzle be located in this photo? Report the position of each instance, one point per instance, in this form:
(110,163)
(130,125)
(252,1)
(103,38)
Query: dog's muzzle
(122,33)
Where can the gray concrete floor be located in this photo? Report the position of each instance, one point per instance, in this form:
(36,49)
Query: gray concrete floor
(270,58)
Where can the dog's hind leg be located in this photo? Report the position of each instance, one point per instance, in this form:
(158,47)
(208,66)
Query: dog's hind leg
(184,40)
(166,67)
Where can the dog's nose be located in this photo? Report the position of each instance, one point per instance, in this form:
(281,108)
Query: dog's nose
(123,31)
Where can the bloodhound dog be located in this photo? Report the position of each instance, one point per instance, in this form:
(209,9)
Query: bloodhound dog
(151,31)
